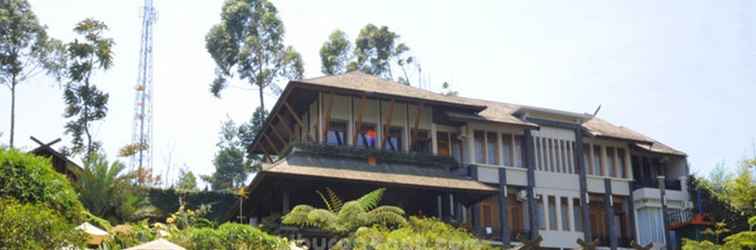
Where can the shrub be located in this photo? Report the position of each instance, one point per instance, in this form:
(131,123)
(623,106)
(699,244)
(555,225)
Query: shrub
(32,179)
(129,235)
(419,233)
(229,236)
(34,226)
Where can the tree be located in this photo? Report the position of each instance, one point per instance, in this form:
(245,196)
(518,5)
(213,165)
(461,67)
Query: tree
(335,54)
(85,103)
(249,40)
(187,181)
(249,131)
(377,51)
(344,218)
(231,170)
(742,190)
(25,50)
(102,185)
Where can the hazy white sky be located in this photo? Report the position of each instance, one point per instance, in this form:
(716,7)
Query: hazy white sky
(679,71)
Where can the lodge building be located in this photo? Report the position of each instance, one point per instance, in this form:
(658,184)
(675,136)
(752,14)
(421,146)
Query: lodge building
(557,174)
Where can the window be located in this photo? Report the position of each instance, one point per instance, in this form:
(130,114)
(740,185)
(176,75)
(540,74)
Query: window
(518,151)
(538,152)
(540,214)
(622,163)
(587,159)
(393,139)
(565,209)
(552,155)
(577,211)
(506,146)
(552,213)
(367,136)
(597,166)
(422,143)
(456,147)
(492,148)
(563,156)
(336,133)
(480,151)
(442,143)
(610,161)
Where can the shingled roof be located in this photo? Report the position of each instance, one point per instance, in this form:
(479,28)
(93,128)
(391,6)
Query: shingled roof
(303,164)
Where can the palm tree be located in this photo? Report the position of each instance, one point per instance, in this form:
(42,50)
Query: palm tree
(102,185)
(343,218)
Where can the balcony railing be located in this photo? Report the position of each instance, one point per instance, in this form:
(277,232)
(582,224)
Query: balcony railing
(677,216)
(654,183)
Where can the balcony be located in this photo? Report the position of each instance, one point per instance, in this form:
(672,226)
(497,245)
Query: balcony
(669,184)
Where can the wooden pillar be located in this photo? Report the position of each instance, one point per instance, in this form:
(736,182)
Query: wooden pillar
(609,209)
(580,158)
(286,202)
(528,156)
(503,207)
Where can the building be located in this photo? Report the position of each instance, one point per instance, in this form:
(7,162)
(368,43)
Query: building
(558,174)
(59,161)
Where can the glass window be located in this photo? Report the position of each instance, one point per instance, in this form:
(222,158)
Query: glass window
(577,211)
(422,143)
(597,166)
(456,147)
(480,152)
(540,217)
(336,133)
(552,213)
(492,148)
(518,151)
(587,159)
(552,155)
(538,152)
(393,139)
(622,163)
(367,136)
(442,143)
(565,209)
(506,146)
(563,155)
(610,161)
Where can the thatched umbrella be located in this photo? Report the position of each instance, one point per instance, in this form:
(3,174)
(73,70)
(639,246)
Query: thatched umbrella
(159,244)
(95,235)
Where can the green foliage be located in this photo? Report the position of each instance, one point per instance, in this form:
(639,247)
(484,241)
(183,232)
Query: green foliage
(741,190)
(740,240)
(185,218)
(187,182)
(347,218)
(25,49)
(335,54)
(229,236)
(232,162)
(85,103)
(129,235)
(249,40)
(168,200)
(34,226)
(104,187)
(418,233)
(31,179)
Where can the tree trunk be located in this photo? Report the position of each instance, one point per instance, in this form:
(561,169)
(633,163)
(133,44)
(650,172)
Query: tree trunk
(13,110)
(262,103)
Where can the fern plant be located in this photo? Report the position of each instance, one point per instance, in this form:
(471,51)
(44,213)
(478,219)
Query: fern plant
(343,218)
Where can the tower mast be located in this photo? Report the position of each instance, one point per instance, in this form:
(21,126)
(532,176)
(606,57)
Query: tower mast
(142,130)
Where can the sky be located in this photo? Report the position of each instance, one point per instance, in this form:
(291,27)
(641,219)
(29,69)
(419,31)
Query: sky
(680,71)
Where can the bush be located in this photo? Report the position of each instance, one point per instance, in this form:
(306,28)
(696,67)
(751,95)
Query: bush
(34,226)
(419,233)
(229,236)
(32,179)
(129,235)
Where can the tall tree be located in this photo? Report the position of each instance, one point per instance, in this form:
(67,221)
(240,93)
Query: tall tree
(377,51)
(85,103)
(249,40)
(231,170)
(335,54)
(25,49)
(187,181)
